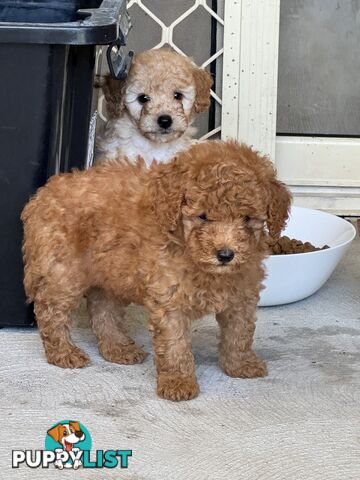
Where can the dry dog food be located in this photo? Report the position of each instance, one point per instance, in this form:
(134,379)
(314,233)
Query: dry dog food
(286,246)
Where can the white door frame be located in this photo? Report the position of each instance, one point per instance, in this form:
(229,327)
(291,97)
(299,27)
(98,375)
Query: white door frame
(250,64)
(319,170)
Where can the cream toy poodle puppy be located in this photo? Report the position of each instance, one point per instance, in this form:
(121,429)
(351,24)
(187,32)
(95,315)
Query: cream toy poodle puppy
(151,112)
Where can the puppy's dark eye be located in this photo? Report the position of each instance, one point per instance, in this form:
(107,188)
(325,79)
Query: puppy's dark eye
(143,98)
(203,217)
(178,96)
(247,219)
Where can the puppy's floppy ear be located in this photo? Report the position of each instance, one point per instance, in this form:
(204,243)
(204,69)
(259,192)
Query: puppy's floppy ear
(56,433)
(113,91)
(167,194)
(278,208)
(203,84)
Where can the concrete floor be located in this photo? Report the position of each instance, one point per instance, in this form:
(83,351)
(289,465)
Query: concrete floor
(302,422)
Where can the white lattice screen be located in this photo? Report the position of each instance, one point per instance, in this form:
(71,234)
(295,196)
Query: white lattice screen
(173,33)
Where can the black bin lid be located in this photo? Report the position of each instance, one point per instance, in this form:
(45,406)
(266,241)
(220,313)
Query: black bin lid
(73,22)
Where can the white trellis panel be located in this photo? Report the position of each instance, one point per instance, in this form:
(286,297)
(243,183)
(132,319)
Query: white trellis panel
(251,38)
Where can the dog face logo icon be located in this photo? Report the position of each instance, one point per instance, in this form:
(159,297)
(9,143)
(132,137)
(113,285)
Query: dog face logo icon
(68,439)
(67,434)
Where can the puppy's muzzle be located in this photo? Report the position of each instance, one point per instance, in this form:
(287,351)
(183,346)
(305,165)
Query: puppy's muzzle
(225,256)
(164,121)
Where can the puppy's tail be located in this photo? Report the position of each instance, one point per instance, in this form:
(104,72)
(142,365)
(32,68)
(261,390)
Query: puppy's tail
(30,280)
(35,247)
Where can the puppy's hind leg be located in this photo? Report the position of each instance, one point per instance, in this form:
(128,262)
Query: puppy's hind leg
(105,316)
(53,322)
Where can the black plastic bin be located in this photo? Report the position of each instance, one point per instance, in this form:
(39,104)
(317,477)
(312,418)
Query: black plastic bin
(47,70)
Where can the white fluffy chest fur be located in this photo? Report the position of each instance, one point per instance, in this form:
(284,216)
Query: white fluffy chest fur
(121,136)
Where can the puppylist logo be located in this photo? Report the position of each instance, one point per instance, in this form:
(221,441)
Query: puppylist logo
(67,445)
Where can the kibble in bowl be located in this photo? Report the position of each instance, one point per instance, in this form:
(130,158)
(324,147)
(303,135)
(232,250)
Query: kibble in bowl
(288,246)
(293,276)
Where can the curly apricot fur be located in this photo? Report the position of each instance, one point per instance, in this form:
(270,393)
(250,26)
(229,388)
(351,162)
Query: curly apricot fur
(138,235)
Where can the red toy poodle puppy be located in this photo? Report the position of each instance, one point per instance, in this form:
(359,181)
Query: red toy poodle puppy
(184,239)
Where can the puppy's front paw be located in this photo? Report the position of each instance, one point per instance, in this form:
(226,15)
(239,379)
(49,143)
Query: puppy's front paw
(245,365)
(123,354)
(71,357)
(176,387)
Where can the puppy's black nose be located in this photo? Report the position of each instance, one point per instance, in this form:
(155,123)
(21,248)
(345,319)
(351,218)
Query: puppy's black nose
(164,121)
(79,434)
(225,256)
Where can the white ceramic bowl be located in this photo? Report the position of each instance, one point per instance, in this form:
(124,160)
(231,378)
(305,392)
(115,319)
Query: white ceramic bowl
(294,277)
